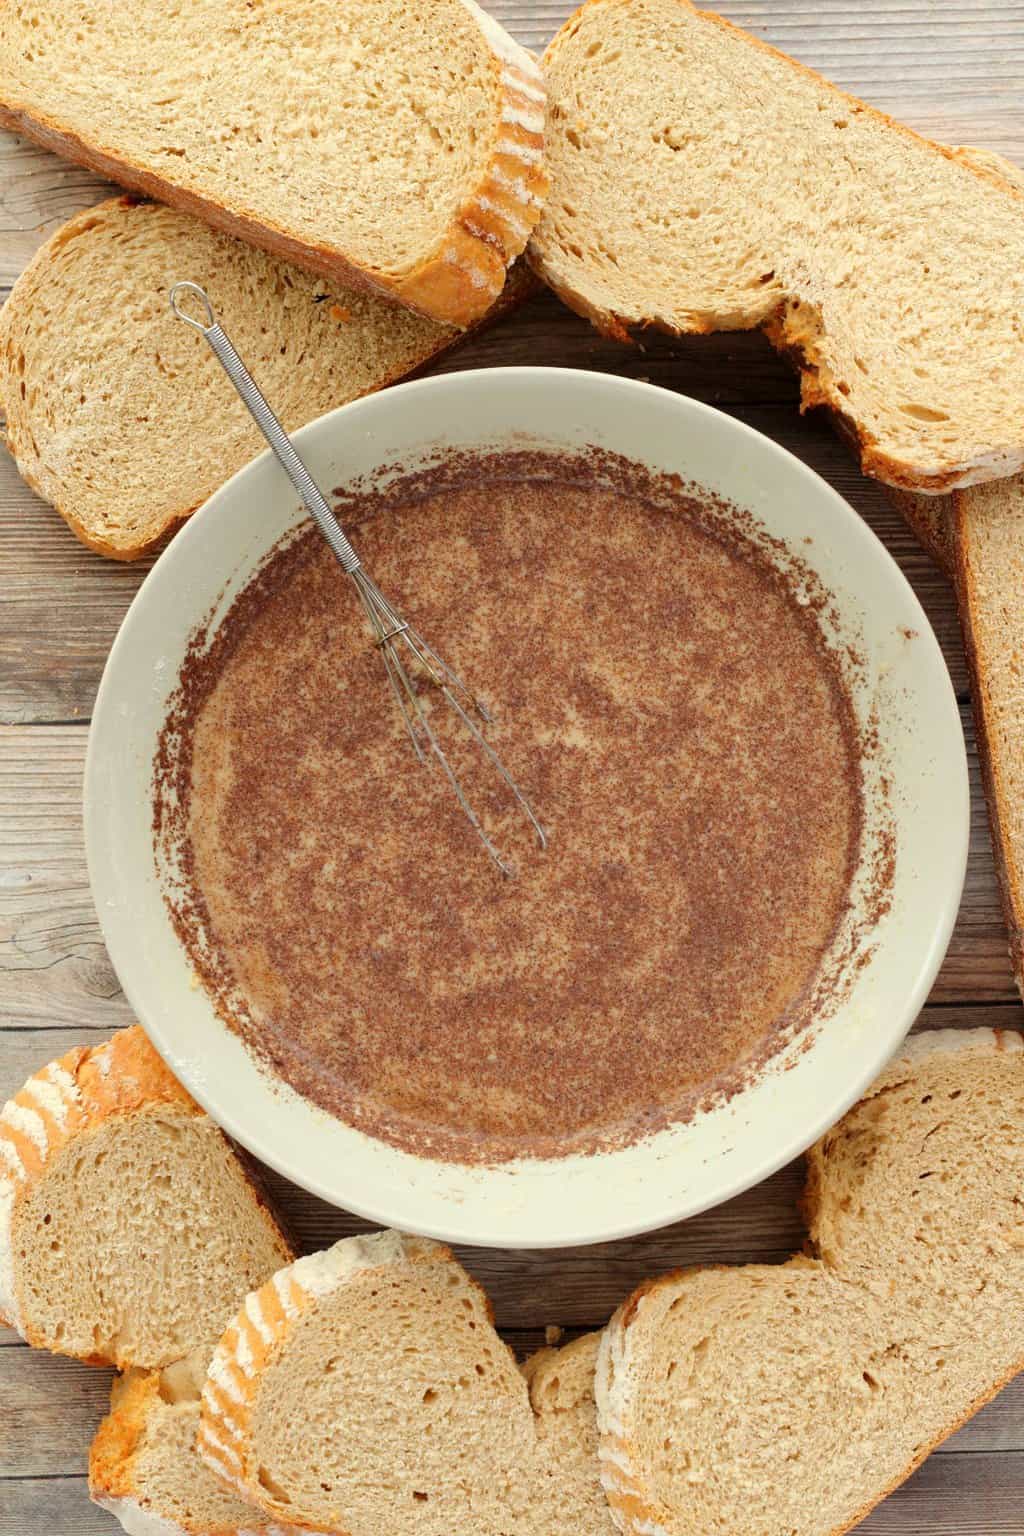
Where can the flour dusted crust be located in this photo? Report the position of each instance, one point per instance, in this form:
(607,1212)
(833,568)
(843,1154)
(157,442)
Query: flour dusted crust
(65,1098)
(261,1329)
(417,1418)
(493,226)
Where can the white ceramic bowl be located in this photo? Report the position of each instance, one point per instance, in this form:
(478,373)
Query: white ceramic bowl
(681,1170)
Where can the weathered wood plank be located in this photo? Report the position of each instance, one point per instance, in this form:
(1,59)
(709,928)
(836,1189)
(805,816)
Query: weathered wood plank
(965,1495)
(62,603)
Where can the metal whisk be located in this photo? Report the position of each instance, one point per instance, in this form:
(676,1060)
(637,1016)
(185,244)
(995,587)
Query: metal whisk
(390,630)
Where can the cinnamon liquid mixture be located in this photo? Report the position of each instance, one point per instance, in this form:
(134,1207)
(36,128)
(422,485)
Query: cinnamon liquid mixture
(673,714)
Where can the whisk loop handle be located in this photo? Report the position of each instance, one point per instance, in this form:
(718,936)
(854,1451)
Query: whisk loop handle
(263,416)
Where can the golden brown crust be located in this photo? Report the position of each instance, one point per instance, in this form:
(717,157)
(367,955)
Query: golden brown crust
(115,1443)
(456,285)
(121,1076)
(793,336)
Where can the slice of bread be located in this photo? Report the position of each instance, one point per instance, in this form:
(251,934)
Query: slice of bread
(988,552)
(120,417)
(702,181)
(723,1393)
(568,1497)
(143,1466)
(916,1195)
(365,1389)
(392,146)
(738,1401)
(129,1228)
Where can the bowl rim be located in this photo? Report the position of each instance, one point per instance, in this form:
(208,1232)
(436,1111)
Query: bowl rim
(250,1133)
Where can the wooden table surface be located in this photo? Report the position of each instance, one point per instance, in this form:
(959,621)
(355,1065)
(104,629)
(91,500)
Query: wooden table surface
(953,69)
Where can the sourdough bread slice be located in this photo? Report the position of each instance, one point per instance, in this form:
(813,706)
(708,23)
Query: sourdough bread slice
(129,1228)
(735,1402)
(364,1389)
(143,1466)
(120,417)
(988,550)
(568,1497)
(702,181)
(392,146)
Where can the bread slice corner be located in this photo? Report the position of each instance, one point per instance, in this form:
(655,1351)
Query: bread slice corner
(567,1496)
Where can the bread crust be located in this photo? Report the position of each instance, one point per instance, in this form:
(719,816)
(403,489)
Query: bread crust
(459,281)
(260,1330)
(634,1513)
(113,1481)
(796,340)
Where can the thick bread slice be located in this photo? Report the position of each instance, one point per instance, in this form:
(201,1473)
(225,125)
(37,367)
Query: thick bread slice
(393,146)
(701,181)
(916,1195)
(723,1393)
(119,415)
(988,550)
(741,1402)
(569,1499)
(128,1226)
(143,1466)
(364,1389)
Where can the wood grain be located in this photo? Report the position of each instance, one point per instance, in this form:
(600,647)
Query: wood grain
(952,70)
